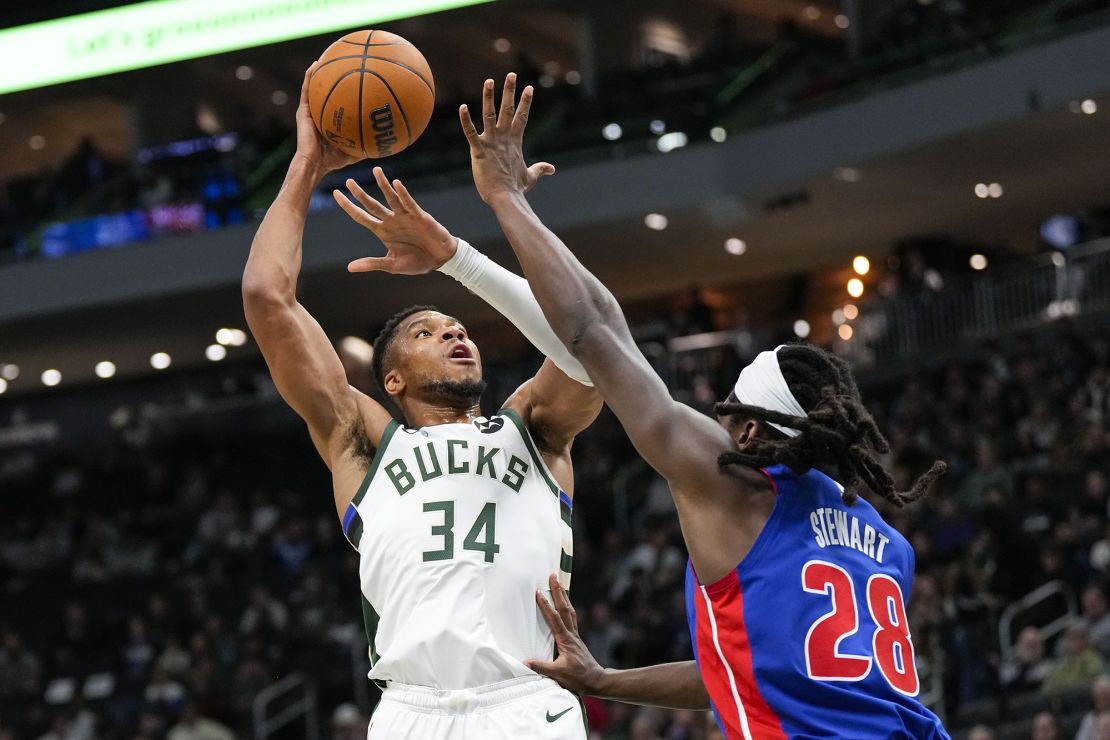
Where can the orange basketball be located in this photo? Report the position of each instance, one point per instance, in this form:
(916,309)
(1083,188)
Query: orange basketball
(372,94)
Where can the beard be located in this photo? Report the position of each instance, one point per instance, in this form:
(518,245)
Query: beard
(468,392)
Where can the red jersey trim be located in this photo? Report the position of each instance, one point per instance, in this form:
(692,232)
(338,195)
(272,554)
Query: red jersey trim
(726,663)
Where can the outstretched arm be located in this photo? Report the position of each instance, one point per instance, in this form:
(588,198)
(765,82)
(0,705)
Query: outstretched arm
(583,313)
(671,685)
(302,361)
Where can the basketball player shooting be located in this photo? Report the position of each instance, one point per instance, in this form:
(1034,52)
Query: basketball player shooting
(796,590)
(457,518)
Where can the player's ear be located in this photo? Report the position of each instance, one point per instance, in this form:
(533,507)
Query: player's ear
(394,382)
(744,431)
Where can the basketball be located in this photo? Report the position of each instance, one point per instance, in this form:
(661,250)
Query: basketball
(372,94)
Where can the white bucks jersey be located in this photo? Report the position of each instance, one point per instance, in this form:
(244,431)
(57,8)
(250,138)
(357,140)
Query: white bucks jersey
(457,526)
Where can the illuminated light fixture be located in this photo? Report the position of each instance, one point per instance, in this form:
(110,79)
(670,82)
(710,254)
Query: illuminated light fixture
(9,371)
(1058,259)
(847,174)
(850,312)
(572,77)
(547,81)
(279,97)
(1089,107)
(243,72)
(978,262)
(3,385)
(147,34)
(215,352)
(657,127)
(37,142)
(994,190)
(855,287)
(231,337)
(160,360)
(982,190)
(736,246)
(51,377)
(105,369)
(718,134)
(838,316)
(845,331)
(842,21)
(502,46)
(861,265)
(655,221)
(670,142)
(811,13)
(612,131)
(801,328)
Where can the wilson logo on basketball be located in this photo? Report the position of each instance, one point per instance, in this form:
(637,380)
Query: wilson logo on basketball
(381,120)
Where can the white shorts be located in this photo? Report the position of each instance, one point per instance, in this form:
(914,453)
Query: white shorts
(518,709)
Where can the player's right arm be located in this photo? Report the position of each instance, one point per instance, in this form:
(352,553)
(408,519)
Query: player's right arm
(719,522)
(671,685)
(304,365)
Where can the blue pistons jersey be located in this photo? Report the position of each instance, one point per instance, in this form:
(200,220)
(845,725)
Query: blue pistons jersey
(808,636)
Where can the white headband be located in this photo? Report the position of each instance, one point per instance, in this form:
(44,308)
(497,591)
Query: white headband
(761,384)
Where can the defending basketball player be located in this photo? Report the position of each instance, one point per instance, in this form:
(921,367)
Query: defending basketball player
(796,590)
(457,518)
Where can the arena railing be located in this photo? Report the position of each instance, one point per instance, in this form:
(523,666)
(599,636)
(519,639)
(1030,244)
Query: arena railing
(301,704)
(973,308)
(1052,604)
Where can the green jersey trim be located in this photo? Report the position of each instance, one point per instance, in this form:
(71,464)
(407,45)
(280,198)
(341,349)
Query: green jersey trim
(540,464)
(370,621)
(390,429)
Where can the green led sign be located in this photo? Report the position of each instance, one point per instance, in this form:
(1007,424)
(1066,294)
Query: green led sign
(160,31)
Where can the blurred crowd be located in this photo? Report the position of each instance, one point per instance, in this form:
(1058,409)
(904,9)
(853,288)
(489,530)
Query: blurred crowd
(152,588)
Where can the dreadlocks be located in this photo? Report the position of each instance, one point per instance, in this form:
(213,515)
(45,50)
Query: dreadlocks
(838,435)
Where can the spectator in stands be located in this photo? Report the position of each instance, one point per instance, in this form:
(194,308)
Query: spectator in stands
(988,473)
(1029,667)
(1080,665)
(191,726)
(1100,707)
(1096,617)
(19,667)
(980,732)
(1045,727)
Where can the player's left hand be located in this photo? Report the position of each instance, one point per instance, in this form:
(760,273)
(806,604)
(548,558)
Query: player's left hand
(575,669)
(415,242)
(496,154)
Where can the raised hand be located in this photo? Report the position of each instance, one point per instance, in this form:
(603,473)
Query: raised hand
(312,147)
(496,156)
(575,669)
(415,242)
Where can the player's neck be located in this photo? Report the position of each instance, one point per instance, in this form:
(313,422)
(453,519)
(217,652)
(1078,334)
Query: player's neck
(419,413)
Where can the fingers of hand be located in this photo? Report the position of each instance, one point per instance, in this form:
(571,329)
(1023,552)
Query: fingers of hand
(368,264)
(358,215)
(469,131)
(520,118)
(407,200)
(307,78)
(508,102)
(388,192)
(489,116)
(376,209)
(543,667)
(549,614)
